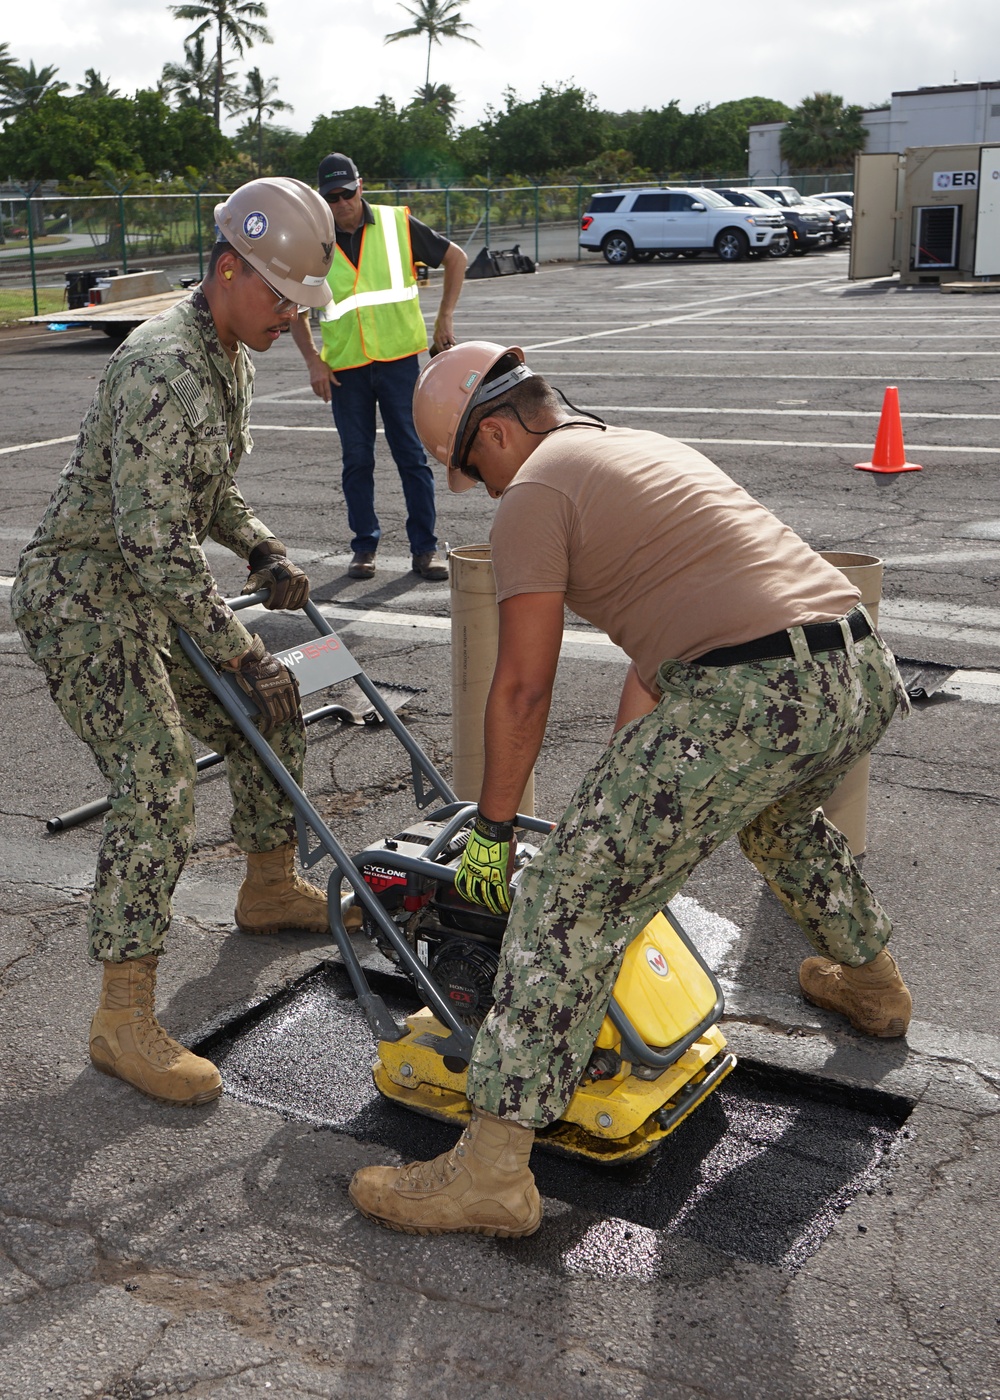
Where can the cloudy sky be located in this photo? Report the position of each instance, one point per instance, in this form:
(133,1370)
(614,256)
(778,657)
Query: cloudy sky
(641,53)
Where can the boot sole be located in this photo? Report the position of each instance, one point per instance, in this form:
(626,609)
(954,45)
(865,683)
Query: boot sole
(206,1095)
(893,1030)
(497,1232)
(253,929)
(282,928)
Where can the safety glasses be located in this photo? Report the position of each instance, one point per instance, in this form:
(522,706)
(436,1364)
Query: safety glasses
(335,196)
(282,303)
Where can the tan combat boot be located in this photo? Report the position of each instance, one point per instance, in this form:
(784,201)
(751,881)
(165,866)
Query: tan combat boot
(273,897)
(482,1186)
(128,1042)
(873,997)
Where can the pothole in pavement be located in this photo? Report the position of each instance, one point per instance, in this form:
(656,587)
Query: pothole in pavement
(762,1170)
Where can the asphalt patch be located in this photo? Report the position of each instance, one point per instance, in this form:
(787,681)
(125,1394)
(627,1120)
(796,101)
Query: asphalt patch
(761,1171)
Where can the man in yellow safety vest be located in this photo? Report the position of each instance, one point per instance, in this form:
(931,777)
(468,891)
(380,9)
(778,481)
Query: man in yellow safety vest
(372,333)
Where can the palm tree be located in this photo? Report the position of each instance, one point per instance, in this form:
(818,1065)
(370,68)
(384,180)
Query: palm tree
(440,98)
(823,134)
(96,86)
(260,96)
(235,23)
(438,19)
(192,82)
(21,89)
(7,62)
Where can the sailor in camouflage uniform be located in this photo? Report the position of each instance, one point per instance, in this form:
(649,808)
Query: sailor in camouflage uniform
(117,565)
(756,683)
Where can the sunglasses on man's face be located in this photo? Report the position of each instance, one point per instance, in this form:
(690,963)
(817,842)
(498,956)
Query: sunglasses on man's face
(335,196)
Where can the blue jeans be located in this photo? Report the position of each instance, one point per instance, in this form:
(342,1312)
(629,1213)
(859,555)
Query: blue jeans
(389,384)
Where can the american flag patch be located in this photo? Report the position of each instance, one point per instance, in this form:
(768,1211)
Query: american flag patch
(192,398)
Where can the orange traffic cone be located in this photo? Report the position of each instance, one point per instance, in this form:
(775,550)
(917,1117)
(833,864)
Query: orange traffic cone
(889,454)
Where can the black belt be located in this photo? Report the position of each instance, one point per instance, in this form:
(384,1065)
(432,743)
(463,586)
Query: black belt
(821,636)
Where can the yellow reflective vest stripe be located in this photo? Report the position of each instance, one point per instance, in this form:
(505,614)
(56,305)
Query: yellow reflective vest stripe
(375,313)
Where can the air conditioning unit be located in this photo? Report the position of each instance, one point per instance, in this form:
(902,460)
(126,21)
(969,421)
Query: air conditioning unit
(936,230)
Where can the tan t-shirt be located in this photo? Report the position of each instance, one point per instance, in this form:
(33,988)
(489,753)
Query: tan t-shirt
(651,542)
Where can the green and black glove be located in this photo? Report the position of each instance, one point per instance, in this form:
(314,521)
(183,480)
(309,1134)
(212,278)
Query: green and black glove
(271,686)
(483,875)
(271,568)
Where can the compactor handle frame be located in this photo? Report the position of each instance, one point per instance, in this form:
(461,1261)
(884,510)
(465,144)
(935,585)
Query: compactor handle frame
(454,813)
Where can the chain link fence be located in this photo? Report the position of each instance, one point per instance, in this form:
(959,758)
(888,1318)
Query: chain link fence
(54,248)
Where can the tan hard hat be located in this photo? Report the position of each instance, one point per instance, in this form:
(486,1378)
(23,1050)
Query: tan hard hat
(285,231)
(451,385)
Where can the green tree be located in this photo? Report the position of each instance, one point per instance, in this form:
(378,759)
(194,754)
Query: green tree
(63,138)
(823,134)
(95,86)
(562,126)
(192,83)
(277,149)
(425,144)
(439,97)
(259,98)
(235,24)
(438,19)
(657,139)
(22,89)
(371,136)
(170,141)
(725,133)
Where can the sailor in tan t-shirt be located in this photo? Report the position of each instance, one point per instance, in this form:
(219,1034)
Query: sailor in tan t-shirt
(756,682)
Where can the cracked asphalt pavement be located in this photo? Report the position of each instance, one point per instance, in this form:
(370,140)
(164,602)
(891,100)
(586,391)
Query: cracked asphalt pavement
(146,1251)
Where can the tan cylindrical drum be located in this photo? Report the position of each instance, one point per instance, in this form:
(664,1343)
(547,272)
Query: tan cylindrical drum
(475,626)
(847,807)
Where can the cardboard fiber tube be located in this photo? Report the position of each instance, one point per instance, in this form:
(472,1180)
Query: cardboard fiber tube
(847,807)
(475,626)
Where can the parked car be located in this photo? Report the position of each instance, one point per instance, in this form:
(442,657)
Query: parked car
(812,223)
(844,196)
(746,198)
(623,224)
(843,214)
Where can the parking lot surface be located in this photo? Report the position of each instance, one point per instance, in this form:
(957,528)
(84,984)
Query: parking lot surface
(214,1252)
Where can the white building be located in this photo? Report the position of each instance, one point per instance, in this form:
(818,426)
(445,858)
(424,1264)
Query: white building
(960,114)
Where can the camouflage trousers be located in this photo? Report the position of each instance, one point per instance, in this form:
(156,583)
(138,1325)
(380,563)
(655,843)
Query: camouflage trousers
(749,750)
(132,705)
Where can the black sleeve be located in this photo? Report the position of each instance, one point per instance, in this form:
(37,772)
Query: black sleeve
(428,246)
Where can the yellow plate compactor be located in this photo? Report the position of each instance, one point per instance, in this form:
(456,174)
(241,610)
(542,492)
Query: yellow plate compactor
(659,1052)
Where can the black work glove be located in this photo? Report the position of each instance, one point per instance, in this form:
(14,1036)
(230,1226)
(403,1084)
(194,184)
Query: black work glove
(272,688)
(483,874)
(270,568)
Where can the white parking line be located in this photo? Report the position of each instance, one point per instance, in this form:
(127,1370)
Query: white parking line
(47,442)
(789,412)
(713,306)
(913,449)
(909,354)
(918,618)
(782,378)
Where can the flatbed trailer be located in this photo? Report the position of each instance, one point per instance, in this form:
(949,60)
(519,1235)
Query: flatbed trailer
(126,302)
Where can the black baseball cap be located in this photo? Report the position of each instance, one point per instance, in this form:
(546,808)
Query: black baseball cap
(337,172)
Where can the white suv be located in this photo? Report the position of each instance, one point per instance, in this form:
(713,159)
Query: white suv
(624,224)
